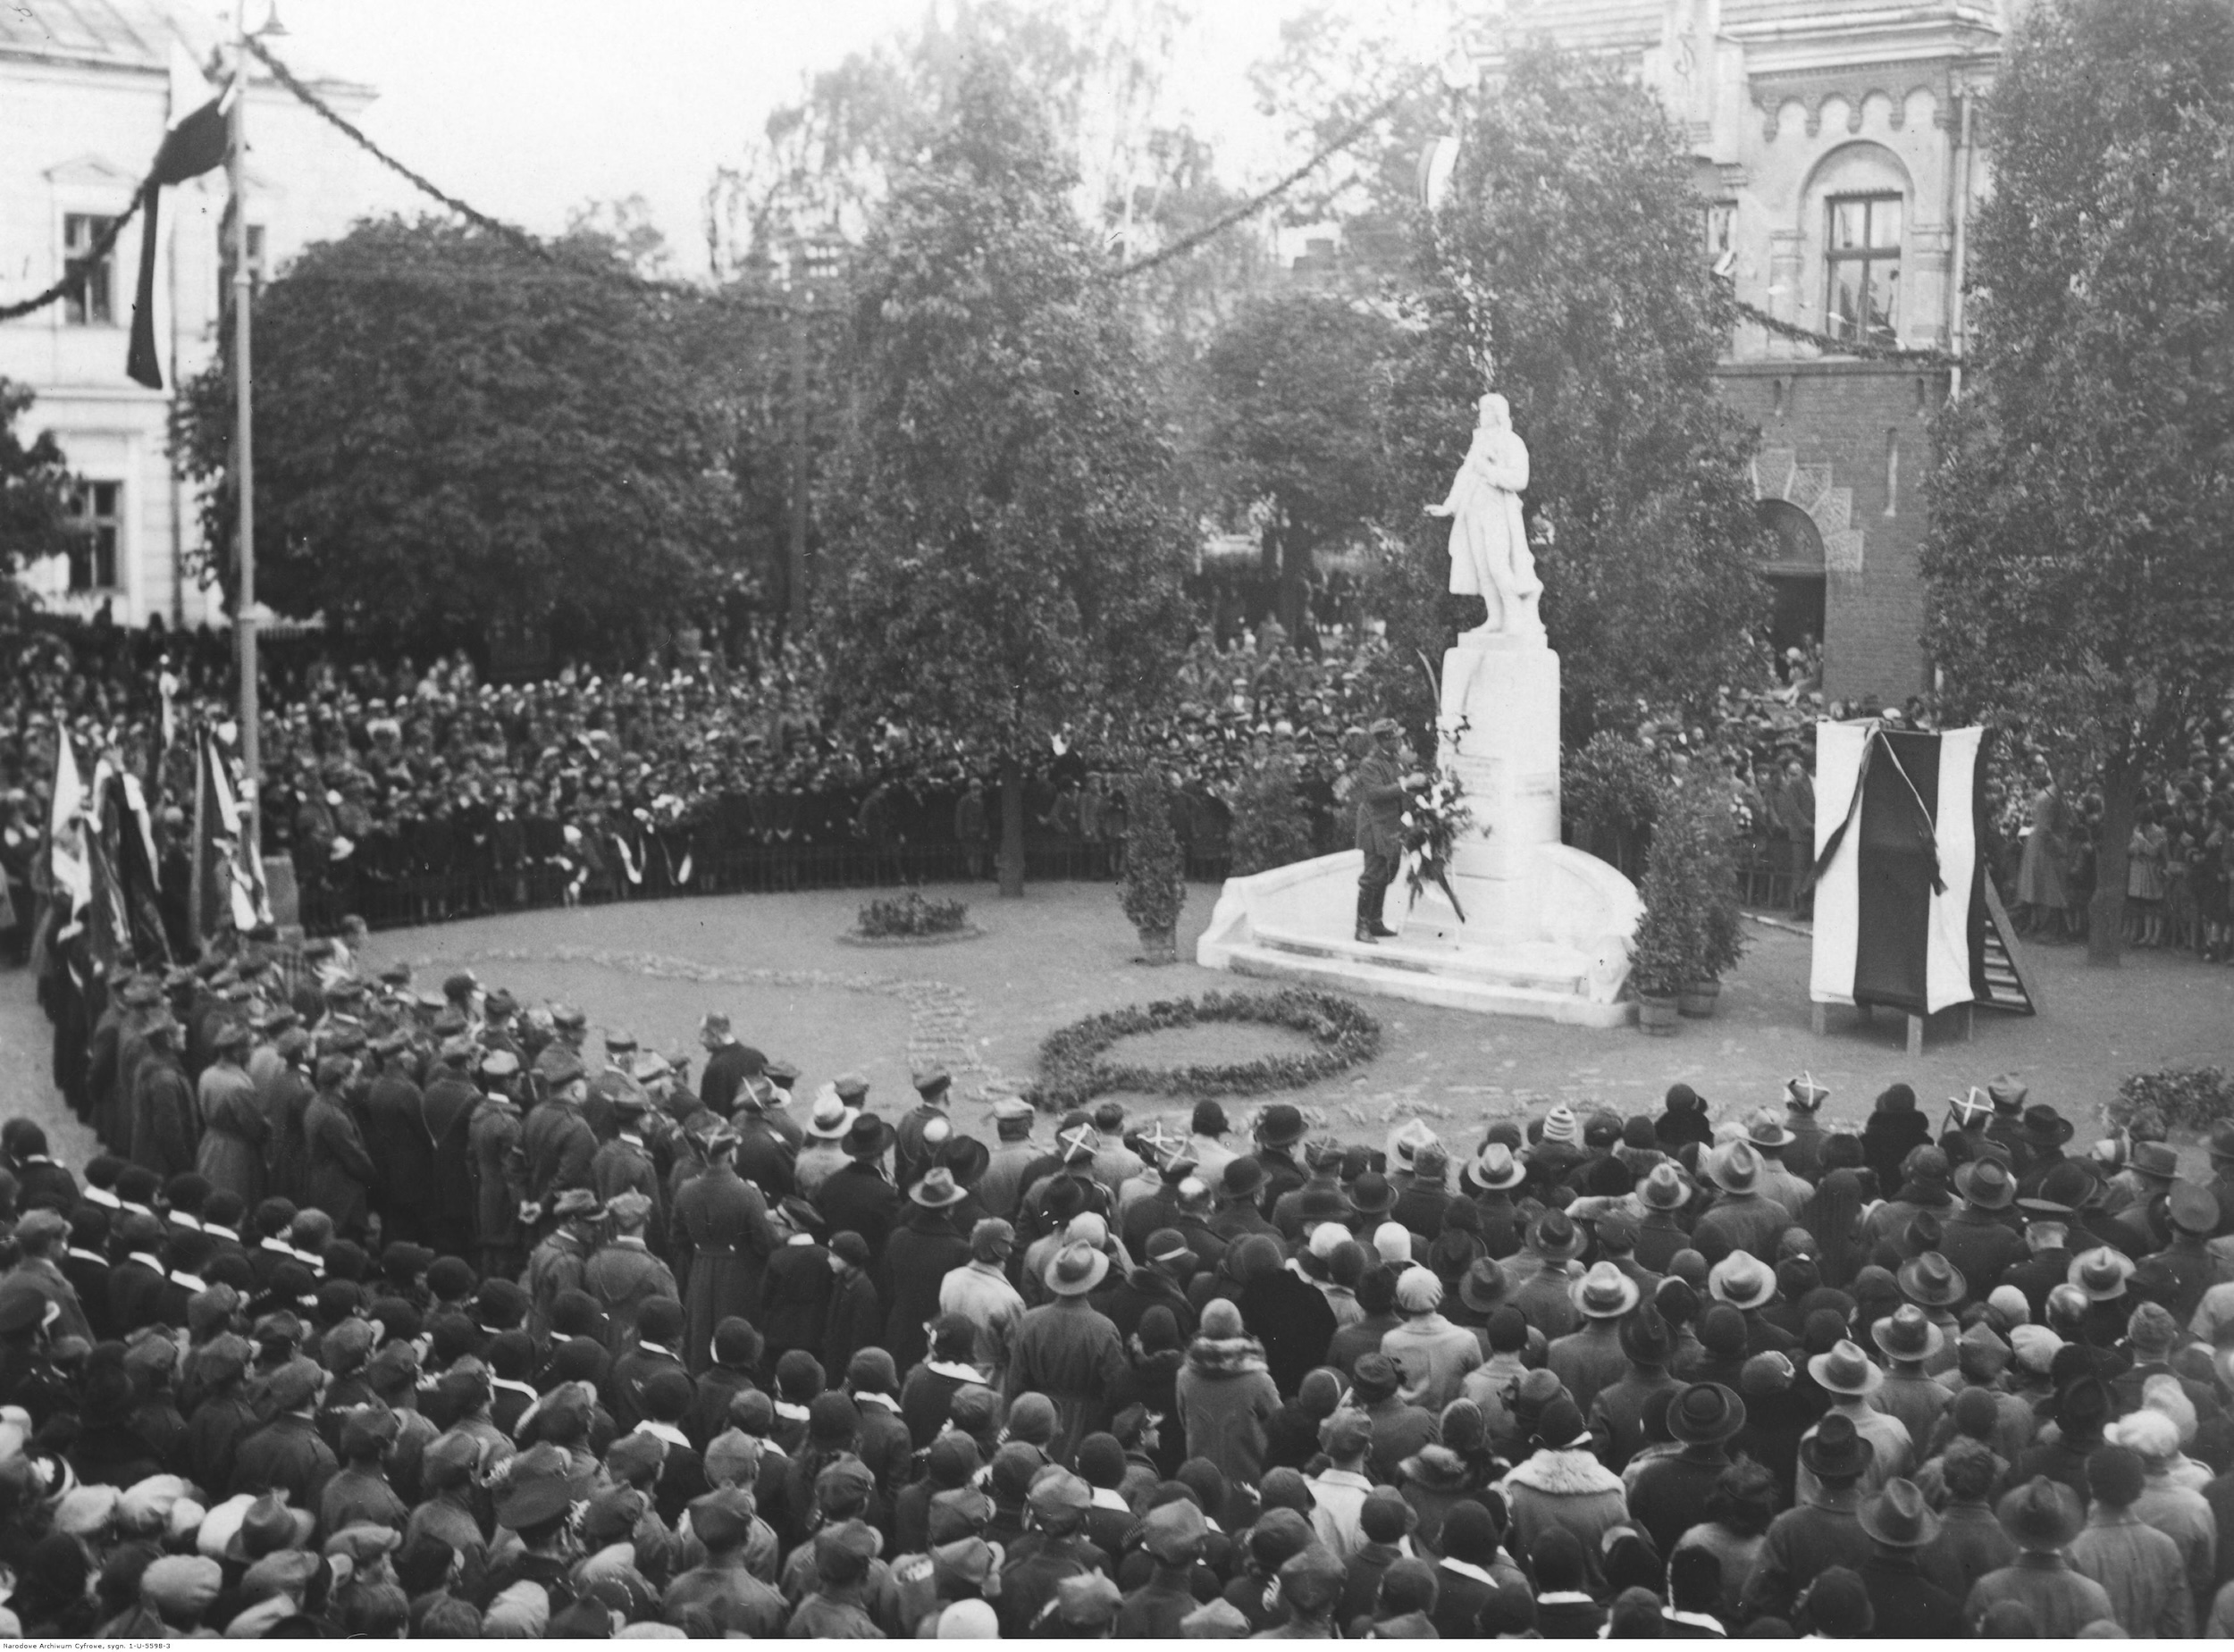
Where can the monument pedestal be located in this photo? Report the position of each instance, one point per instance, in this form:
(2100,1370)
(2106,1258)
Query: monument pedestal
(1538,929)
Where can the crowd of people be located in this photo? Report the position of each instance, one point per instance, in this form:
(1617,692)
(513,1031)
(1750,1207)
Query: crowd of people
(398,1310)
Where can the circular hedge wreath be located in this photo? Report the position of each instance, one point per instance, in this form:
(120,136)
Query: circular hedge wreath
(1072,1072)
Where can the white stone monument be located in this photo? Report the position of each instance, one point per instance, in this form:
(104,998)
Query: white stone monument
(1537,929)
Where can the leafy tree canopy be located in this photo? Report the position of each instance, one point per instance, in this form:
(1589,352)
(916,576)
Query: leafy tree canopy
(35,489)
(1572,220)
(2084,501)
(450,428)
(1000,553)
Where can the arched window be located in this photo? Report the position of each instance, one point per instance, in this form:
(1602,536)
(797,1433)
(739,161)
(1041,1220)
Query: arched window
(1856,216)
(1792,560)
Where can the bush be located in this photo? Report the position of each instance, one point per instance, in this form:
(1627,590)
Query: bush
(1270,827)
(1155,886)
(1692,929)
(1611,784)
(911,915)
(2182,1098)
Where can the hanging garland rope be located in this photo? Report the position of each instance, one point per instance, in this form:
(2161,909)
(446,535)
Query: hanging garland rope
(102,245)
(1829,346)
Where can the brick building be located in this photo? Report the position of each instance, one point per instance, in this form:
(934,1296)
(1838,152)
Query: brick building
(86,85)
(1841,154)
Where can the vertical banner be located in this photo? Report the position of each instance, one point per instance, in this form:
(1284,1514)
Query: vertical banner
(67,828)
(230,891)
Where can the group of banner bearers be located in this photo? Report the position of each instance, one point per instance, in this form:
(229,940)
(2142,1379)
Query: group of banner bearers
(396,1310)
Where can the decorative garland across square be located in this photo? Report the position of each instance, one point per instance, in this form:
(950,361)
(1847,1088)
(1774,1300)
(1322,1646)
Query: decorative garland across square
(1072,1072)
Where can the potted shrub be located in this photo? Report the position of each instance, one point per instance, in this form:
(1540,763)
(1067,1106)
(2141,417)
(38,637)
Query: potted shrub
(1722,940)
(1154,885)
(1672,948)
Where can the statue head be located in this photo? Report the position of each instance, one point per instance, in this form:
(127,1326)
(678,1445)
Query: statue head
(1496,413)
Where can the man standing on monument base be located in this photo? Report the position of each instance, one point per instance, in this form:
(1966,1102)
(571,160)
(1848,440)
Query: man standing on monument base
(1381,789)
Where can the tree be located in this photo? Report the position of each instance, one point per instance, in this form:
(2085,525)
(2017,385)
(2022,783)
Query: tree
(1000,554)
(1572,219)
(36,487)
(2084,500)
(452,428)
(1295,387)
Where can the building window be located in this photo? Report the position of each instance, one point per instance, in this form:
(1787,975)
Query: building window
(91,300)
(99,508)
(1792,556)
(1862,303)
(1717,235)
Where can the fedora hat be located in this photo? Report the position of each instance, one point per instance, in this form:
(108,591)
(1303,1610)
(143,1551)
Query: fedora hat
(2047,1127)
(1407,1138)
(1740,1279)
(1845,1369)
(2043,1513)
(867,1137)
(1482,1287)
(1075,1270)
(2101,1273)
(2193,1209)
(2154,1158)
(1646,1339)
(1556,1237)
(1765,1129)
(1604,1293)
(1281,1125)
(937,1190)
(1835,1450)
(1932,1280)
(1987,1184)
(830,1117)
(1371,1194)
(1898,1516)
(1704,1414)
(1908,1334)
(1734,1167)
(1495,1169)
(1667,1188)
(2063,1189)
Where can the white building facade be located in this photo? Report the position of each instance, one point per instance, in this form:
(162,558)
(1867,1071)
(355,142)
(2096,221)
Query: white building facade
(84,98)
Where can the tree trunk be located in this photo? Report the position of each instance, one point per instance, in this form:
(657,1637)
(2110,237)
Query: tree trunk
(1012,857)
(2105,913)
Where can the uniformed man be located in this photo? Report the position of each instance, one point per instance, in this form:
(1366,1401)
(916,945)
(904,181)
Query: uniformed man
(1380,792)
(910,1156)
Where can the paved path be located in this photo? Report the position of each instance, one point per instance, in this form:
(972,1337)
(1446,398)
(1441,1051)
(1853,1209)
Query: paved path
(981,1006)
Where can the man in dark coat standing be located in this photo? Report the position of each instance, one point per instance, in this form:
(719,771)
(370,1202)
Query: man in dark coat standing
(166,1122)
(560,1145)
(448,1108)
(858,1198)
(340,1173)
(1379,789)
(911,1154)
(918,1257)
(720,1239)
(395,1135)
(728,1064)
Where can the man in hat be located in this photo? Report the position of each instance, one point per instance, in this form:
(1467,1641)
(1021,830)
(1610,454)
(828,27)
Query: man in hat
(2140,1568)
(1591,1359)
(1910,1342)
(1068,1350)
(981,1292)
(616,1078)
(1000,1189)
(395,1137)
(1769,1136)
(1617,1416)
(166,1126)
(1845,1373)
(556,1265)
(1903,1601)
(1541,1275)
(1279,1126)
(1667,1492)
(1434,1355)
(2043,1132)
(1824,1528)
(860,1197)
(287,1453)
(1176,1536)
(720,1588)
(492,1139)
(2007,1126)
(625,1163)
(448,1105)
(2043,1517)
(1380,788)
(2192,1212)
(623,1274)
(729,1063)
(235,1129)
(1803,1108)
(558,1143)
(768,1142)
(359,1494)
(919,1255)
(1742,1218)
(339,1174)
(721,1236)
(1052,1551)
(933,1086)
(1979,1239)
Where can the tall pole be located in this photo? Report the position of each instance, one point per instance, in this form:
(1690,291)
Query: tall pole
(243,436)
(796,571)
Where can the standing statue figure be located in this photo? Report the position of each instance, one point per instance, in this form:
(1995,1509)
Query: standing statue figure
(1488,542)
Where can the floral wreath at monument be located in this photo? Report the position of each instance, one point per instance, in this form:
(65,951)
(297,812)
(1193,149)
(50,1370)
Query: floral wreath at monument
(1436,815)
(1072,1072)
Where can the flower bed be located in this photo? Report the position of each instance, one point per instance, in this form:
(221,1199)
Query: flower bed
(910,916)
(1073,1070)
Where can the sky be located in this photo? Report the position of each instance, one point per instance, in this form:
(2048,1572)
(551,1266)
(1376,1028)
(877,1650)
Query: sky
(528,108)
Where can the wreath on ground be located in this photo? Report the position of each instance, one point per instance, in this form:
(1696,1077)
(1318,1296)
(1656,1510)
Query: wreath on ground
(1072,1072)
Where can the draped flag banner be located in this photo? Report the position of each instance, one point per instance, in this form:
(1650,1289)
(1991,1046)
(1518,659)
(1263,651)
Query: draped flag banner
(127,916)
(1900,898)
(194,141)
(66,830)
(228,889)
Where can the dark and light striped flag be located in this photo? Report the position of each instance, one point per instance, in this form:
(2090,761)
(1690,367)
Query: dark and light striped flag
(194,140)
(1900,906)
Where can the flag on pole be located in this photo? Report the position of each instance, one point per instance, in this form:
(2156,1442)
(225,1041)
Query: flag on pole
(229,890)
(66,829)
(194,141)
